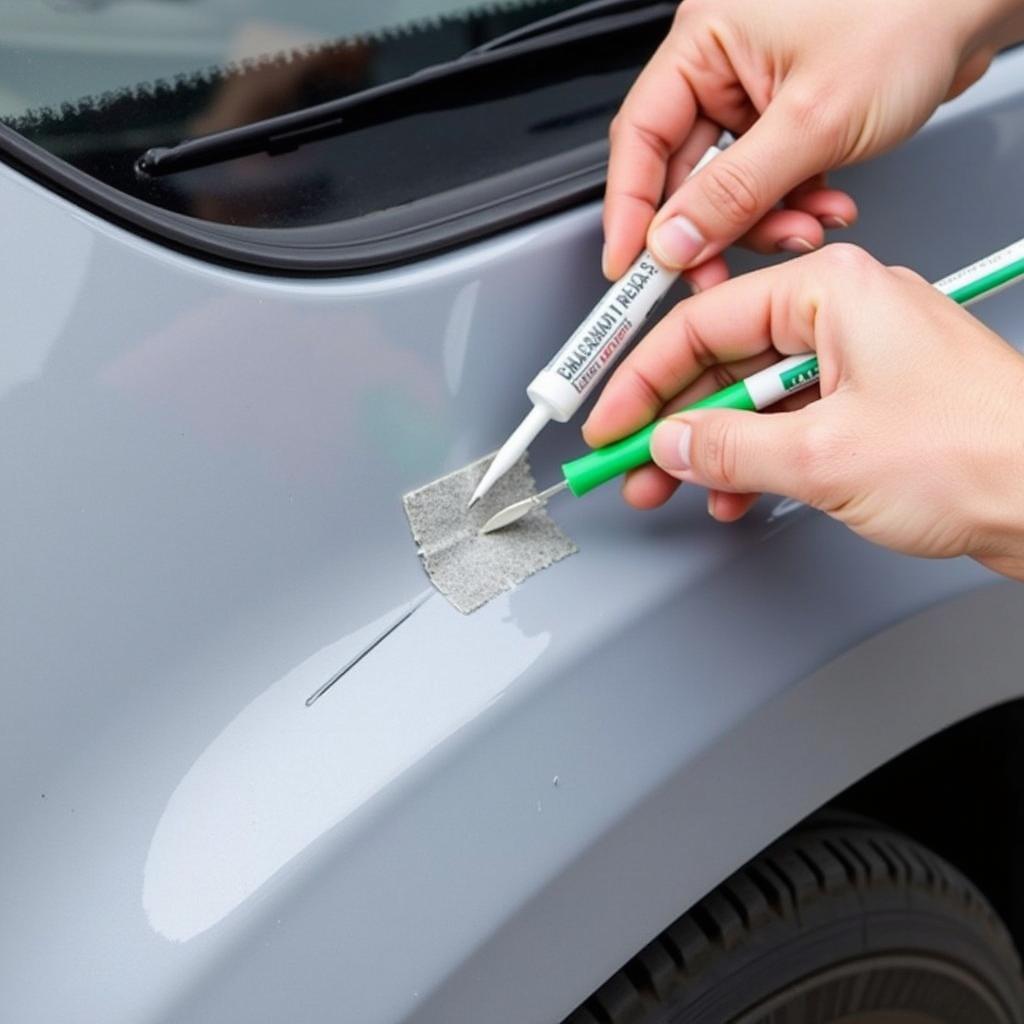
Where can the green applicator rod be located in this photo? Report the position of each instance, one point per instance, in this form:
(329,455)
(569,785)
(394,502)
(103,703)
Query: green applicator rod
(766,387)
(977,281)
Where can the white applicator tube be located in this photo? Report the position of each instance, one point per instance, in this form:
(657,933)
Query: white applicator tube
(582,362)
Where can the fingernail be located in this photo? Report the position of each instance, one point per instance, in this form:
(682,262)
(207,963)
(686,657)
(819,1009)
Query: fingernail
(677,242)
(604,259)
(832,221)
(712,501)
(670,445)
(795,244)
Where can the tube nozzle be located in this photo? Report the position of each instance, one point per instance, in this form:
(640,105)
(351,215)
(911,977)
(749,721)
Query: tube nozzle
(511,451)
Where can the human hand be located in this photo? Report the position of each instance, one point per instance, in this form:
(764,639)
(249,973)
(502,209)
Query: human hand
(917,440)
(809,86)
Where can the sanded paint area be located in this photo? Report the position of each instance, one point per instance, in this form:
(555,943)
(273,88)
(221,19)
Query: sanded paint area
(471,568)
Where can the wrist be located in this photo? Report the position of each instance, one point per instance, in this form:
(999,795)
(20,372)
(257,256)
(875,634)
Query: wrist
(997,512)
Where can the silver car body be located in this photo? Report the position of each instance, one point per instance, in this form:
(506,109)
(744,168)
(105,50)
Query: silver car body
(485,815)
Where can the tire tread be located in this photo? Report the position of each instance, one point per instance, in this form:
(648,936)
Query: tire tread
(847,859)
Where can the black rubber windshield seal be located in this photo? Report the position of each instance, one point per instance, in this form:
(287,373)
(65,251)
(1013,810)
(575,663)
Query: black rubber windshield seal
(410,229)
(389,238)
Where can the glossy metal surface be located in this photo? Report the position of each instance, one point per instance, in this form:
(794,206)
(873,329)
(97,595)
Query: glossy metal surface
(482,816)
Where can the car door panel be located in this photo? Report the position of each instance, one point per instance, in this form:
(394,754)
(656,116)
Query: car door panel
(485,815)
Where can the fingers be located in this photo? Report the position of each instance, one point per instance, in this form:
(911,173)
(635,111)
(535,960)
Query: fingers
(740,452)
(681,163)
(790,231)
(970,72)
(655,119)
(730,322)
(727,508)
(707,275)
(657,138)
(648,487)
(732,193)
(799,226)
(831,207)
(625,235)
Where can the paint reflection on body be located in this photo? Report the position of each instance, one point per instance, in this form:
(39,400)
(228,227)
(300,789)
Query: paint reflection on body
(283,773)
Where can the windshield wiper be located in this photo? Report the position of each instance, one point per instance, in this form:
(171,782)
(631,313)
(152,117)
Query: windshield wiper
(486,69)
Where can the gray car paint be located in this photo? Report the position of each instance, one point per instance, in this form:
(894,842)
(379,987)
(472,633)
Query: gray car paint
(486,815)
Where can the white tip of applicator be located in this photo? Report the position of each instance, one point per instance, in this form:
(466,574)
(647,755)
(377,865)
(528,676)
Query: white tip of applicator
(487,481)
(511,451)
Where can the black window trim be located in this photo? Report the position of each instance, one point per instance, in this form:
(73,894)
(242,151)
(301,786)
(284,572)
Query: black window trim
(388,238)
(392,236)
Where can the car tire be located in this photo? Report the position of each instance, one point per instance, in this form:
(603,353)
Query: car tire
(842,920)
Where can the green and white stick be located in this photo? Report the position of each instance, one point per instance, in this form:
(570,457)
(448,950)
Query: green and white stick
(980,280)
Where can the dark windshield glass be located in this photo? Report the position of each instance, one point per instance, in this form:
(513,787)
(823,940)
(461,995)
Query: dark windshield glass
(55,53)
(98,82)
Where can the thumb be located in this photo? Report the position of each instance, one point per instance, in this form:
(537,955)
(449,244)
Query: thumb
(743,452)
(735,190)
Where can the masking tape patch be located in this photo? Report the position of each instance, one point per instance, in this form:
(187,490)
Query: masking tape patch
(470,569)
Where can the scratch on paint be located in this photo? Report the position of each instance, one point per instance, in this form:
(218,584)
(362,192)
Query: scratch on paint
(348,666)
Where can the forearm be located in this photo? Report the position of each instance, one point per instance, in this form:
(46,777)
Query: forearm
(995,501)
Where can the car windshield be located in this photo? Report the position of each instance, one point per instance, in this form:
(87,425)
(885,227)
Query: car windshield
(88,86)
(56,54)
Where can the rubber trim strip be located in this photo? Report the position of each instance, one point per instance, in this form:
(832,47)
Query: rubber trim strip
(364,244)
